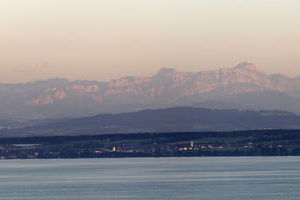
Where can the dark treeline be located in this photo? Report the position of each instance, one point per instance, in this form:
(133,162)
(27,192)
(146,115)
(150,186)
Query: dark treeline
(175,136)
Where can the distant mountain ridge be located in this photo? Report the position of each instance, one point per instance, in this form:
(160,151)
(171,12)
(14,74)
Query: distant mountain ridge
(243,87)
(179,119)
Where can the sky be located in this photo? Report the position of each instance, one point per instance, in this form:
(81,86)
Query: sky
(108,39)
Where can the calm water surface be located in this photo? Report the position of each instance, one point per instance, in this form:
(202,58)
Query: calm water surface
(152,178)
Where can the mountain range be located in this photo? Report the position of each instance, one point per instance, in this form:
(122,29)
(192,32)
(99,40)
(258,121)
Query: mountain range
(240,87)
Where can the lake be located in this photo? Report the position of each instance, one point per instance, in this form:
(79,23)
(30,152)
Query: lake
(226,178)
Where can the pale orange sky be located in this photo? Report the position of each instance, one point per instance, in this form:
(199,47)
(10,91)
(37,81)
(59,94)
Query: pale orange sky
(107,39)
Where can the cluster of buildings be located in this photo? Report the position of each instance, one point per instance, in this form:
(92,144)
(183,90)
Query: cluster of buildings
(194,147)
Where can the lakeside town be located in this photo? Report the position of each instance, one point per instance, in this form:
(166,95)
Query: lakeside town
(243,143)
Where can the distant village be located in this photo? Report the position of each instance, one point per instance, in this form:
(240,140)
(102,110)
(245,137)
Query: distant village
(140,148)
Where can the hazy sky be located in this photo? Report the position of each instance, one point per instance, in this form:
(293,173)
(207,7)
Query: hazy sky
(105,39)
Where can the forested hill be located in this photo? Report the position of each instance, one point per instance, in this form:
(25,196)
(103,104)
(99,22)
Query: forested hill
(180,119)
